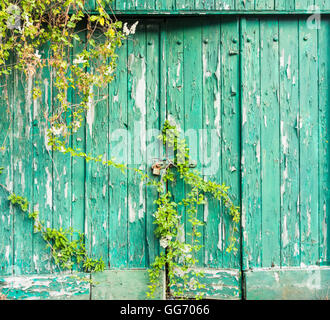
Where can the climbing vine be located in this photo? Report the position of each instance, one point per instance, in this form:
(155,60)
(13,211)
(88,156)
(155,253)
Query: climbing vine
(65,252)
(44,33)
(179,257)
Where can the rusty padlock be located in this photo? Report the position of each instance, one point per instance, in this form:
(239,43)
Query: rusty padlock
(156,169)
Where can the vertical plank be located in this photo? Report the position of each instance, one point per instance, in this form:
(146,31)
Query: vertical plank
(192,77)
(119,149)
(165,5)
(225,5)
(230,128)
(265,4)
(282,5)
(303,4)
(244,5)
(62,172)
(322,4)
(308,139)
(22,175)
(213,235)
(121,5)
(137,127)
(289,142)
(204,5)
(96,173)
(78,164)
(175,96)
(251,139)
(185,4)
(153,123)
(270,150)
(42,168)
(90,5)
(150,4)
(6,178)
(324,138)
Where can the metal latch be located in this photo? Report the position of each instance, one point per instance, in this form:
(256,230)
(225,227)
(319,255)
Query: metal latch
(162,164)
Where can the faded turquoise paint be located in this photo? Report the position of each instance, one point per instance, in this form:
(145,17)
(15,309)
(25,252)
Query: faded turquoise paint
(261,84)
(284,201)
(214,6)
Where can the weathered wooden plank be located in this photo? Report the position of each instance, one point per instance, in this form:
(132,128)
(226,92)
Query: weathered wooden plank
(193,104)
(6,178)
(324,138)
(288,284)
(205,4)
(124,285)
(165,5)
(175,97)
(270,150)
(308,140)
(230,131)
(42,167)
(211,140)
(22,172)
(97,174)
(137,128)
(245,5)
(154,120)
(264,4)
(284,5)
(303,4)
(222,284)
(289,142)
(78,164)
(46,287)
(119,145)
(322,5)
(62,174)
(225,5)
(251,156)
(185,4)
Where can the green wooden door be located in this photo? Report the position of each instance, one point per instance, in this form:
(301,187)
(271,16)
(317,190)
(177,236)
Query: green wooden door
(252,96)
(186,70)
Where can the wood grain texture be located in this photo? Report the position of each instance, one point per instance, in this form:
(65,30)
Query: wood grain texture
(309,148)
(46,287)
(6,178)
(221,284)
(230,131)
(270,140)
(211,140)
(288,284)
(22,172)
(251,144)
(124,285)
(119,150)
(97,174)
(324,138)
(42,200)
(137,109)
(289,142)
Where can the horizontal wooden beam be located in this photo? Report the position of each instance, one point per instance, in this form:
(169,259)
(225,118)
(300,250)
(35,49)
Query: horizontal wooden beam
(308,283)
(46,287)
(108,285)
(219,284)
(213,12)
(124,285)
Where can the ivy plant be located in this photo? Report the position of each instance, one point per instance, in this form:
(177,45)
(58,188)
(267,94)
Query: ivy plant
(179,257)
